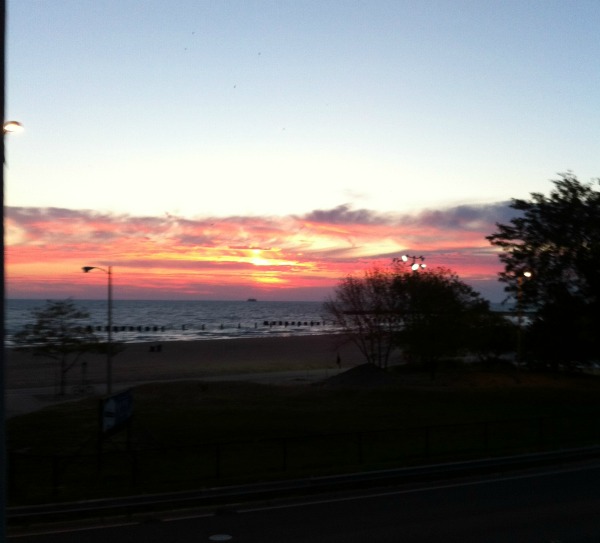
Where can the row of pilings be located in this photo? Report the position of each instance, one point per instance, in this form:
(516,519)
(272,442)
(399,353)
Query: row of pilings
(154,328)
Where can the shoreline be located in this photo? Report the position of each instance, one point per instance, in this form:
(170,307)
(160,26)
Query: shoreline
(194,359)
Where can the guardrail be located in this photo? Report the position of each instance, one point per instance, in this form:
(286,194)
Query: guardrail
(131,468)
(294,487)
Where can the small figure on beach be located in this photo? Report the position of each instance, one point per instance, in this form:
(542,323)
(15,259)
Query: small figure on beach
(338,361)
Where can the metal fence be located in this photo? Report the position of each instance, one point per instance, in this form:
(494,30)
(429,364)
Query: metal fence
(121,469)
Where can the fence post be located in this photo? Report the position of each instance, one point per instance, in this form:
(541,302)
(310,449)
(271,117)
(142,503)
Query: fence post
(427,441)
(12,474)
(218,460)
(134,467)
(486,437)
(359,447)
(284,454)
(55,477)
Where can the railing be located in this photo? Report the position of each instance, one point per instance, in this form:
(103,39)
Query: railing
(38,479)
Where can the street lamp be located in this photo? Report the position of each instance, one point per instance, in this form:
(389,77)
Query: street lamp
(524,275)
(108,271)
(414,265)
(7,127)
(12,126)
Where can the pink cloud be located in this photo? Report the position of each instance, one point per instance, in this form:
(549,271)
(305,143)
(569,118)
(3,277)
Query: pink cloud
(216,257)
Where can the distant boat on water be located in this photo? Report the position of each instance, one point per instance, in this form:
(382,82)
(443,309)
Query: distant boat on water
(251,300)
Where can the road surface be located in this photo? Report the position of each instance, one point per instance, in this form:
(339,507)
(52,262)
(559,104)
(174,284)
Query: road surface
(549,506)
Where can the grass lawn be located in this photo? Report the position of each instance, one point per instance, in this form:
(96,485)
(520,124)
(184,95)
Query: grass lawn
(198,433)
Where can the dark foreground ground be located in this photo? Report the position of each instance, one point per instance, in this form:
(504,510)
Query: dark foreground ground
(204,433)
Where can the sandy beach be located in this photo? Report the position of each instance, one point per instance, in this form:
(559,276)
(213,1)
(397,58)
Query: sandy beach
(142,362)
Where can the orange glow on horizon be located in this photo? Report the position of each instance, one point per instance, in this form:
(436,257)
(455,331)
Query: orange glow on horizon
(220,259)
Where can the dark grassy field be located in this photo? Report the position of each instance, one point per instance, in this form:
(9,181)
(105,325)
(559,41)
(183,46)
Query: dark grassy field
(194,434)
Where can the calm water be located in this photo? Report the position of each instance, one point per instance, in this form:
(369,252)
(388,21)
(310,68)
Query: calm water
(138,320)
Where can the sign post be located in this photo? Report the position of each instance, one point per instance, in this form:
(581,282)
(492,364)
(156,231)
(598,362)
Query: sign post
(115,414)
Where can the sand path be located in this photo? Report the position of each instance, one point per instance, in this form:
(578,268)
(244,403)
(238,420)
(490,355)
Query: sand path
(32,382)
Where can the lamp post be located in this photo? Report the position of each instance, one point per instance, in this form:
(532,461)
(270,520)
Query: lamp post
(108,271)
(524,275)
(7,127)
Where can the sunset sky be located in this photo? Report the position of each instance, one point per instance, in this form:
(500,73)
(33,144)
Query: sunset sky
(235,149)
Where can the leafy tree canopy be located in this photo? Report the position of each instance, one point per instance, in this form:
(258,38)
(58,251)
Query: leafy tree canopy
(557,239)
(441,313)
(429,313)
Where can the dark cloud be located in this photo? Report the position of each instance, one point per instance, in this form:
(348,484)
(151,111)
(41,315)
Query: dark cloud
(427,228)
(344,214)
(465,217)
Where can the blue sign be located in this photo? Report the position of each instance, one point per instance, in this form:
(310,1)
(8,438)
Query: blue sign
(116,411)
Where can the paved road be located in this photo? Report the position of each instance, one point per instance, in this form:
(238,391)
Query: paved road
(558,506)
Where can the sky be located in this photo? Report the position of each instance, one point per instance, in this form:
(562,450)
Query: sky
(234,149)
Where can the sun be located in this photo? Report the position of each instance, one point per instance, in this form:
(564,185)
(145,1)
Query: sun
(257,258)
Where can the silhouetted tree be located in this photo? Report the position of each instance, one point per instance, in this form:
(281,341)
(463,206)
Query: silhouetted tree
(441,314)
(428,313)
(492,336)
(366,309)
(557,238)
(57,332)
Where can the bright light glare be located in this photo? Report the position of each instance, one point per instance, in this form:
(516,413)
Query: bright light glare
(13,127)
(527,274)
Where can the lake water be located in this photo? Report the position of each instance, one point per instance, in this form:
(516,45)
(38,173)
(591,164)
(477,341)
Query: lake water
(147,321)
(155,320)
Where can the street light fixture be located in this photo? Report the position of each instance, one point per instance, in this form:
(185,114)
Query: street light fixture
(108,271)
(527,274)
(12,127)
(7,127)
(414,265)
